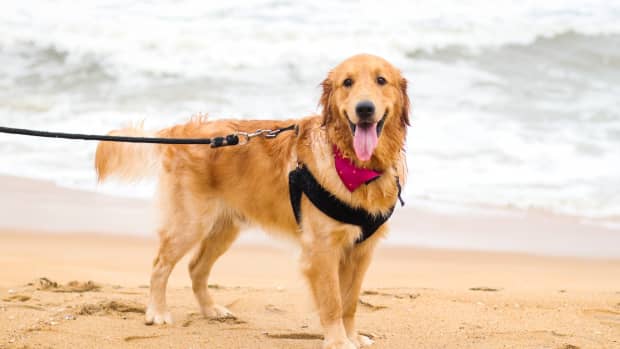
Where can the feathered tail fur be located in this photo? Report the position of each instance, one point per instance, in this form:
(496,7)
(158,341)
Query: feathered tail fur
(128,161)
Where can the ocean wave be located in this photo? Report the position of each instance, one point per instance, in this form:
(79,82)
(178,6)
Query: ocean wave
(586,52)
(514,103)
(192,40)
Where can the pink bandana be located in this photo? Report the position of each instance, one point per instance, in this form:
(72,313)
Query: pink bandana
(352,176)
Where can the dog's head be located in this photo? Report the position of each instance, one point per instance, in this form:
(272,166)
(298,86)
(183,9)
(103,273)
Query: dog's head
(366,108)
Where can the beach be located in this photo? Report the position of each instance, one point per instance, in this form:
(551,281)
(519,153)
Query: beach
(82,282)
(510,235)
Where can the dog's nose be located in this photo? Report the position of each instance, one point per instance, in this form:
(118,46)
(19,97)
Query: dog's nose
(365,109)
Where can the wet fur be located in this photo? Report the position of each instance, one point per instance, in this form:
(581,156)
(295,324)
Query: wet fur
(207,195)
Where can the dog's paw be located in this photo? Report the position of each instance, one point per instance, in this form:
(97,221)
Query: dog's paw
(157,318)
(361,341)
(217,312)
(339,344)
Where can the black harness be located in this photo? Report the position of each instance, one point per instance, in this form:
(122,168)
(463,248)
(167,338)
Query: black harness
(301,181)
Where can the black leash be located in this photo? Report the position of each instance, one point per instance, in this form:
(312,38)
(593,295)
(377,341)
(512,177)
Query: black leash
(215,142)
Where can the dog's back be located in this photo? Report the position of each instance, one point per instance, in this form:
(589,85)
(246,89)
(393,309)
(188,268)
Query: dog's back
(250,180)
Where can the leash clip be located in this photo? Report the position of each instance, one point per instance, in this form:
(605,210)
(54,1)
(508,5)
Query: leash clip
(272,133)
(267,133)
(260,132)
(249,135)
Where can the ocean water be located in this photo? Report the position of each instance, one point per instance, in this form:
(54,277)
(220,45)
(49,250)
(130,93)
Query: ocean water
(515,104)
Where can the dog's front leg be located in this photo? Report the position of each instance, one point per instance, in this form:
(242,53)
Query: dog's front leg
(320,264)
(352,270)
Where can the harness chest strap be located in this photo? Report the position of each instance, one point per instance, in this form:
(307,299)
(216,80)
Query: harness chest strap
(301,181)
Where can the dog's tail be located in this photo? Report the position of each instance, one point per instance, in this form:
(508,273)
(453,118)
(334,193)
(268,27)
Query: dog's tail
(128,161)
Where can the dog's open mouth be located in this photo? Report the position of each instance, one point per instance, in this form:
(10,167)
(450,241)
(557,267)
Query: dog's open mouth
(366,136)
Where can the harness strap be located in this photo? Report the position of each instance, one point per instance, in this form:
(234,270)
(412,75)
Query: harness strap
(301,181)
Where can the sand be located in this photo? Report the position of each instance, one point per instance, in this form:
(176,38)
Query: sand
(71,287)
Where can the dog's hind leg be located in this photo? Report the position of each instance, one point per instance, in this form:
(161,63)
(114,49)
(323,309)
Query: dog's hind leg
(187,215)
(173,246)
(215,243)
(352,270)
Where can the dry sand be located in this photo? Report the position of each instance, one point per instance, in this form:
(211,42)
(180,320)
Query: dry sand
(414,298)
(88,291)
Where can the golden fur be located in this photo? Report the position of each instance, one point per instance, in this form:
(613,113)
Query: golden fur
(207,195)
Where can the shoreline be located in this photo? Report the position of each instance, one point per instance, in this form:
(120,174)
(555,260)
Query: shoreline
(423,260)
(42,206)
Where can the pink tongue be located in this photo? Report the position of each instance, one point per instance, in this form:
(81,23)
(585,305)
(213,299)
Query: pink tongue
(365,141)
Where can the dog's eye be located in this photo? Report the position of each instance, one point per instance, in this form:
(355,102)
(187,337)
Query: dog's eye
(347,82)
(381,81)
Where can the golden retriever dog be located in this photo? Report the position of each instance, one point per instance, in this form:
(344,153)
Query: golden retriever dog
(208,194)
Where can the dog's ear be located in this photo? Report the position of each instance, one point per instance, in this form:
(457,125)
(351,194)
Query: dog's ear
(404,114)
(325,100)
